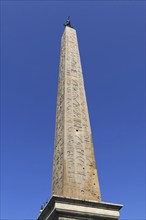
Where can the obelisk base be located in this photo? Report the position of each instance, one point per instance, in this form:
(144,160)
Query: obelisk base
(62,208)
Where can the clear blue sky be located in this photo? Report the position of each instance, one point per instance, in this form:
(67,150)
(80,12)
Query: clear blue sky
(111,41)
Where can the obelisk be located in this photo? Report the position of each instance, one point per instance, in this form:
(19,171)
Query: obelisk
(74,171)
(75,185)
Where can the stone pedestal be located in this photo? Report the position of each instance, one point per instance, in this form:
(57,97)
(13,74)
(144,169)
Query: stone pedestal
(62,208)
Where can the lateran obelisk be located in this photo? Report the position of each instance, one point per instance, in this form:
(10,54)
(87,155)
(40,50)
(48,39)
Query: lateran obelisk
(75,185)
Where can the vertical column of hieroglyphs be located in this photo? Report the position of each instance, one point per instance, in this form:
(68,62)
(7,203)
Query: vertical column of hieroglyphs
(74,153)
(57,185)
(80,174)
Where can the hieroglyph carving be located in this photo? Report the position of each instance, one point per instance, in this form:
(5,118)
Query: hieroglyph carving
(74,171)
(57,184)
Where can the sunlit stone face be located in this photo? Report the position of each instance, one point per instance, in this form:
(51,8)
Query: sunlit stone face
(74,169)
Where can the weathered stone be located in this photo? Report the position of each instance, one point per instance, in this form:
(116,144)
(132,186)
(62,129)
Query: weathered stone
(74,170)
(76,193)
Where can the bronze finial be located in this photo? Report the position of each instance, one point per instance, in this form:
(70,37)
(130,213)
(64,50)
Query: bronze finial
(67,22)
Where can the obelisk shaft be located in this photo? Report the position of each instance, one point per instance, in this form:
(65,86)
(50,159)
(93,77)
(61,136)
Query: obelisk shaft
(74,168)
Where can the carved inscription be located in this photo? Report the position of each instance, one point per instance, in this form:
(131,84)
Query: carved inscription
(74,169)
(57,185)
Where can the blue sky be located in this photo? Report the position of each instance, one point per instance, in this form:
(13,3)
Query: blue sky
(111,37)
